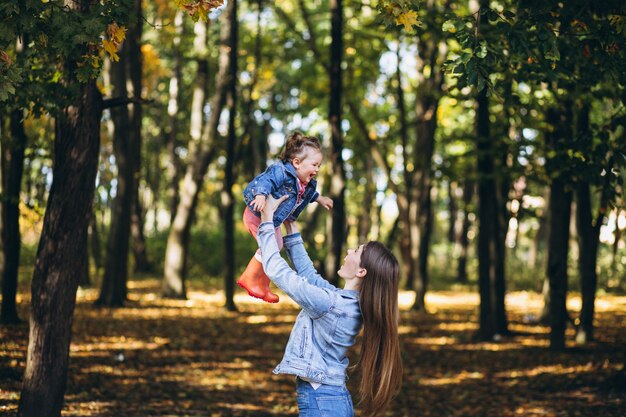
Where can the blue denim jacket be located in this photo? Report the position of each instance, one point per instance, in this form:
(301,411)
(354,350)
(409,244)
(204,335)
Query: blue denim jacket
(330,319)
(280,179)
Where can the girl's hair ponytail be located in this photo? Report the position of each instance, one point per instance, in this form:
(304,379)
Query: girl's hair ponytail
(380,361)
(296,144)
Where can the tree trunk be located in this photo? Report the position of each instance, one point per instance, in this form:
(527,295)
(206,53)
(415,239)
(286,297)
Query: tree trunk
(135,65)
(426,229)
(173,162)
(335,116)
(251,130)
(452,211)
(558,241)
(201,154)
(616,239)
(463,240)
(487,220)
(431,51)
(2,190)
(369,196)
(420,212)
(588,235)
(490,230)
(539,241)
(114,282)
(13,157)
(61,252)
(96,251)
(228,201)
(558,250)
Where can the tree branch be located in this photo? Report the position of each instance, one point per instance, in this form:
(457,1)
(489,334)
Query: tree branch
(121,101)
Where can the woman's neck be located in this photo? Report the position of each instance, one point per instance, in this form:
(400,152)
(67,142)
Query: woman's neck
(351,284)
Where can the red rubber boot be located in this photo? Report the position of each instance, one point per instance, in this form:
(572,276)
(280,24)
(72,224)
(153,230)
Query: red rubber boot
(254,280)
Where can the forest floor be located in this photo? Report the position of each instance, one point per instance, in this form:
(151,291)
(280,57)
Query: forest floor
(192,358)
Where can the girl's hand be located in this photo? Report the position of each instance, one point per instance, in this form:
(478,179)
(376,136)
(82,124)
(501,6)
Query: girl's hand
(259,202)
(271,204)
(325,202)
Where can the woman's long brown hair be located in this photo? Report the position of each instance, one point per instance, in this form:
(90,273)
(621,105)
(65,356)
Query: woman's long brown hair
(380,361)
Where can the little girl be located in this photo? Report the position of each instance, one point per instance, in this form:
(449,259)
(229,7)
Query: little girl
(294,175)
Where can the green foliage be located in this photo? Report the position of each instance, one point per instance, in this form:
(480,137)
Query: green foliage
(56,45)
(206,251)
(10,77)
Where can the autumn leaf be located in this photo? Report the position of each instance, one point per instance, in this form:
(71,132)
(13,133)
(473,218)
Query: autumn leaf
(5,57)
(199,9)
(111,49)
(408,19)
(116,35)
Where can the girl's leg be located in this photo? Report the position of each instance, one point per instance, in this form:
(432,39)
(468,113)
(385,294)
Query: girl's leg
(253,279)
(326,401)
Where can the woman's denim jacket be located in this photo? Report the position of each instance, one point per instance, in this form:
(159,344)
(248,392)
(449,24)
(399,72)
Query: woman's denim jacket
(280,179)
(330,319)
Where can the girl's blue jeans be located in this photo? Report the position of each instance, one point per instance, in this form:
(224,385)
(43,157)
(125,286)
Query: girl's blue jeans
(326,401)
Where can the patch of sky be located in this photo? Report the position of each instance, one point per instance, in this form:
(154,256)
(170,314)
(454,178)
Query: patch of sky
(276,140)
(345,125)
(529,133)
(222,126)
(389,60)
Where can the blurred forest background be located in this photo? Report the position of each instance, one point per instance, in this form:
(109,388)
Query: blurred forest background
(483,141)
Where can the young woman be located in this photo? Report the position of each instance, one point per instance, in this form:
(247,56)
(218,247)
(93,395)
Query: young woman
(330,320)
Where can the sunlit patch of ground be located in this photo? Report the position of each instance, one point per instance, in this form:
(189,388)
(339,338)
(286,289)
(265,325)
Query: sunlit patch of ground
(191,357)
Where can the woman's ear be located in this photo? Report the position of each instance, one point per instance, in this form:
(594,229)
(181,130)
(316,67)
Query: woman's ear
(361,272)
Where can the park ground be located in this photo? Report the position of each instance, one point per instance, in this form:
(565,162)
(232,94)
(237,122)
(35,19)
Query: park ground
(190,357)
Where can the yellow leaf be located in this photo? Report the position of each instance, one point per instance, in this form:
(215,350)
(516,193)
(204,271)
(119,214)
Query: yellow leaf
(120,34)
(109,46)
(408,19)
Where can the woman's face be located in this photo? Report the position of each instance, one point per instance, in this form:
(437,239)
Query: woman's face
(351,267)
(308,166)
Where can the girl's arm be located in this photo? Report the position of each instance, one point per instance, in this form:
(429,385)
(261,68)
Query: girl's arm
(268,181)
(314,300)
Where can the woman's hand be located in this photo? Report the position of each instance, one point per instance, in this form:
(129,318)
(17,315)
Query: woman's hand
(271,204)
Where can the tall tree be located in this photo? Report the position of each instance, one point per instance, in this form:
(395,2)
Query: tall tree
(227,200)
(490,245)
(201,155)
(463,238)
(114,282)
(134,68)
(337,188)
(560,214)
(13,167)
(432,50)
(173,163)
(61,252)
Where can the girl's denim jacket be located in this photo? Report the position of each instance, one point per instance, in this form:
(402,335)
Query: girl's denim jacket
(280,179)
(330,319)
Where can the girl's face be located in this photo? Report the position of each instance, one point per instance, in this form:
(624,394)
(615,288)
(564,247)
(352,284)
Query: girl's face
(351,267)
(308,166)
